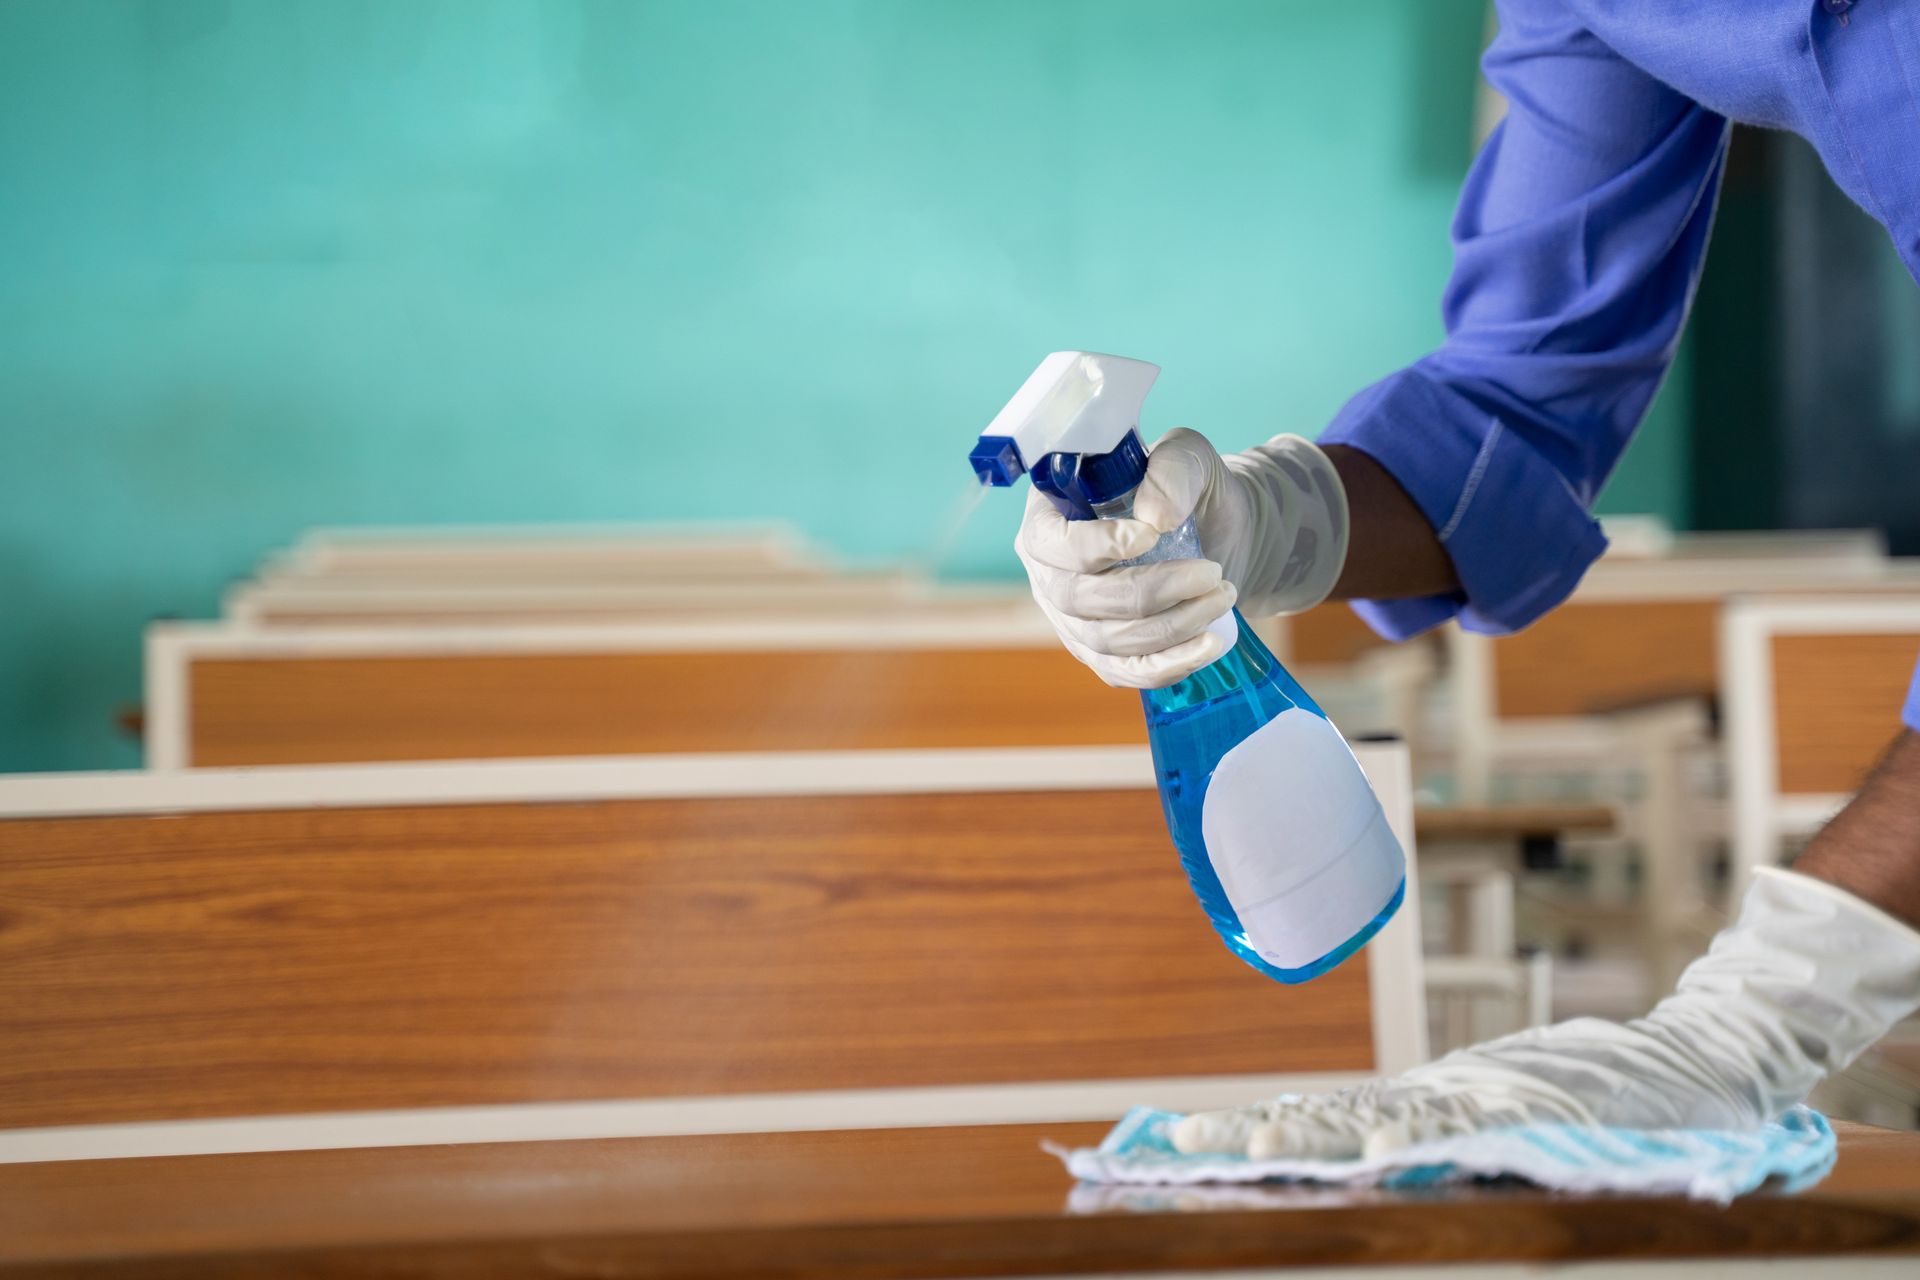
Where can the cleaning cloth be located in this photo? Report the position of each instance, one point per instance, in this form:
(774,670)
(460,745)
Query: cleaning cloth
(1706,1164)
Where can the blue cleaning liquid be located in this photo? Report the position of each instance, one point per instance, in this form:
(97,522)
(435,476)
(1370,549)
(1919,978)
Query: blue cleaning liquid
(1191,726)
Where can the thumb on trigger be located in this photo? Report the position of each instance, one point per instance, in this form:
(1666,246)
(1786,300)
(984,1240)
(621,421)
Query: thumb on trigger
(1179,469)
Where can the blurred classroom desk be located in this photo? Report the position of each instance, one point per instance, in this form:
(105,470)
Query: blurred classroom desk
(1476,854)
(224,695)
(952,1202)
(1812,690)
(1518,824)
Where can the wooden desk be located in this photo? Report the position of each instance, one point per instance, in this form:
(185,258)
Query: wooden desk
(1812,690)
(1510,822)
(1476,852)
(875,1203)
(222,695)
(1329,635)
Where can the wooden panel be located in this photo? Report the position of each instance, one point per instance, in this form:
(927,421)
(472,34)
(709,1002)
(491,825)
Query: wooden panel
(1330,635)
(363,709)
(909,1203)
(1837,702)
(240,963)
(1585,657)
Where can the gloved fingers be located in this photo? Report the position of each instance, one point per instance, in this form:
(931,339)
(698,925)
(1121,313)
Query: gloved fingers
(1312,1123)
(1158,670)
(1313,1135)
(1344,1136)
(1124,594)
(1168,666)
(1371,1128)
(1218,1132)
(1375,1119)
(1180,467)
(1146,671)
(1100,663)
(1142,637)
(1078,546)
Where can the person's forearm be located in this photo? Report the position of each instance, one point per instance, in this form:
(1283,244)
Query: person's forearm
(1872,849)
(1392,552)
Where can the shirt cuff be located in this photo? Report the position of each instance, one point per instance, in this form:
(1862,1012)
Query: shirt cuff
(1912,712)
(1519,536)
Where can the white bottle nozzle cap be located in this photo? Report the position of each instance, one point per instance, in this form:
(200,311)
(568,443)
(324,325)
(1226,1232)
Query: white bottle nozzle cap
(1075,402)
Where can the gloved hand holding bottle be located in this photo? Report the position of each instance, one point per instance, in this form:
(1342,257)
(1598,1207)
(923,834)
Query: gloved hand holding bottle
(1281,837)
(1272,523)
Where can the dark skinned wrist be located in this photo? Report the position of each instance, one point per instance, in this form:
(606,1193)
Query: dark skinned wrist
(1872,848)
(1392,552)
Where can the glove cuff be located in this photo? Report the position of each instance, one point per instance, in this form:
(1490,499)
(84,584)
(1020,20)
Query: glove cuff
(1797,882)
(1299,510)
(1798,987)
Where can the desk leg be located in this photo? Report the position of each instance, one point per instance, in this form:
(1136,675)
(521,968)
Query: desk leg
(1669,894)
(1480,926)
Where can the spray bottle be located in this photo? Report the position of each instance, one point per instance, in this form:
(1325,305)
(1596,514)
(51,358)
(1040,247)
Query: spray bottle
(1280,834)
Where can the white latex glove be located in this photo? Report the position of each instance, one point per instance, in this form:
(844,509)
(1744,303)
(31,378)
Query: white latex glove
(1272,522)
(1796,988)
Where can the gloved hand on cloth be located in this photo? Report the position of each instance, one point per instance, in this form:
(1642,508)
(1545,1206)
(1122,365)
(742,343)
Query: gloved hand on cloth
(1795,989)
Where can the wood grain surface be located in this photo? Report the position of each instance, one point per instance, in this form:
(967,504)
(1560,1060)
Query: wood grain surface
(1330,635)
(1590,656)
(1837,702)
(262,963)
(902,1203)
(365,709)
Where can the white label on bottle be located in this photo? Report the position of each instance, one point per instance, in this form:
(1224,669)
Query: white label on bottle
(1297,837)
(1227,629)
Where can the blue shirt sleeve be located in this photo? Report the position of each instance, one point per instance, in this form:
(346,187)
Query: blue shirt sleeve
(1911,713)
(1577,244)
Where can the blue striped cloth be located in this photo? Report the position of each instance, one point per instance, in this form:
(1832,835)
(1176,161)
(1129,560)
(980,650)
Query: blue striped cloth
(1793,1154)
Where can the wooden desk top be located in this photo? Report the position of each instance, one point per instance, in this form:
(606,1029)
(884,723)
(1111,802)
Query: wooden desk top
(903,1202)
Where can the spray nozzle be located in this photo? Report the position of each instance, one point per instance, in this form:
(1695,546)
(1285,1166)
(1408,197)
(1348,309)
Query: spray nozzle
(1072,426)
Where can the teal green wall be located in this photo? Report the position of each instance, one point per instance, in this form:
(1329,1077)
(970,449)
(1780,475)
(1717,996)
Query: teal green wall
(1653,476)
(265,265)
